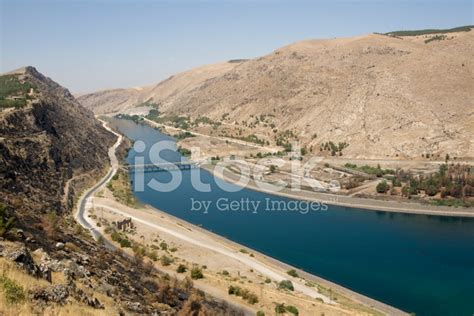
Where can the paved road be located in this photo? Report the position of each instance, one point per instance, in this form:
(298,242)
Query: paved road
(244,259)
(85,201)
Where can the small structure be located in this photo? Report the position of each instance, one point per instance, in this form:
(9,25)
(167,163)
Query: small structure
(125,224)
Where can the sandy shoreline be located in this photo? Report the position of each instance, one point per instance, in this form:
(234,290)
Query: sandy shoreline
(352,202)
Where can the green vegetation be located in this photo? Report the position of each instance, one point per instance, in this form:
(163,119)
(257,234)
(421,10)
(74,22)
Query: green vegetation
(13,292)
(181,268)
(121,239)
(292,310)
(260,313)
(284,139)
(335,149)
(153,115)
(164,246)
(250,297)
(196,273)
(6,221)
(183,135)
(286,285)
(466,28)
(293,273)
(377,171)
(184,151)
(280,308)
(165,261)
(13,92)
(134,118)
(382,187)
(435,38)
(121,189)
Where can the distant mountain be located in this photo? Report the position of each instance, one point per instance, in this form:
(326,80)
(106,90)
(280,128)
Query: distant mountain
(383,96)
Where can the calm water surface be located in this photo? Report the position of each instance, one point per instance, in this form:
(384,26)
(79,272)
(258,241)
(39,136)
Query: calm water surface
(422,264)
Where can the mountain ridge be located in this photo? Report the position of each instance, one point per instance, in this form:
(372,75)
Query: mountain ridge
(384,96)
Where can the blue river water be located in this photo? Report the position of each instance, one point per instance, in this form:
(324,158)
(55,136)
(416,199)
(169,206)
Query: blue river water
(418,263)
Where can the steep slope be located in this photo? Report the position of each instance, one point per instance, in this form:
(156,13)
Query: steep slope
(46,143)
(123,100)
(51,148)
(384,96)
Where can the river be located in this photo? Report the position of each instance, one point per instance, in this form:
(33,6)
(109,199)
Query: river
(418,263)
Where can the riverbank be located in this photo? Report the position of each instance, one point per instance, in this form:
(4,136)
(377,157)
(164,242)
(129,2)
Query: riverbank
(224,262)
(349,201)
(365,203)
(244,267)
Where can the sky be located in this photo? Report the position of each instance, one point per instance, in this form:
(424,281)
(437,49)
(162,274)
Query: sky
(88,45)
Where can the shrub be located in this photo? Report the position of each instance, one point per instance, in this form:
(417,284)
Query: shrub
(234,290)
(181,268)
(166,261)
(153,255)
(225,272)
(13,292)
(280,308)
(286,285)
(291,309)
(292,273)
(6,222)
(163,245)
(267,280)
(125,243)
(260,313)
(196,273)
(382,187)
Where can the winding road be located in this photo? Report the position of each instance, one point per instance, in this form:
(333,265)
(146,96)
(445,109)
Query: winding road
(85,201)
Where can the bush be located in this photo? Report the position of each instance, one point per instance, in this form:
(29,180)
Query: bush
(196,273)
(280,308)
(166,261)
(125,243)
(14,293)
(293,273)
(225,272)
(291,309)
(164,246)
(260,313)
(286,285)
(181,268)
(6,222)
(382,187)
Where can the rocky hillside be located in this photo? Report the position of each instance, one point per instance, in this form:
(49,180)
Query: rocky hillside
(381,96)
(51,148)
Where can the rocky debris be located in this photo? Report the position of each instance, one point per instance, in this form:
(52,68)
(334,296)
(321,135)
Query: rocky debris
(56,293)
(19,254)
(81,296)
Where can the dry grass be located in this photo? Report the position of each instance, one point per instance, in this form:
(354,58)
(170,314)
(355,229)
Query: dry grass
(27,307)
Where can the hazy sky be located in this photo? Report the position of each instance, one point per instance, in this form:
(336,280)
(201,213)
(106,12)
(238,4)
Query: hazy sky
(92,45)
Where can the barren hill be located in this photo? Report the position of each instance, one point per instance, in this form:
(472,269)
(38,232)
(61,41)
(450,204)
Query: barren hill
(385,96)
